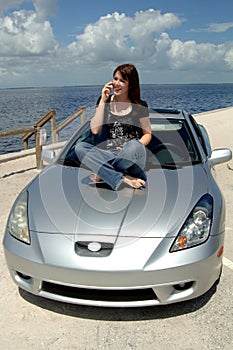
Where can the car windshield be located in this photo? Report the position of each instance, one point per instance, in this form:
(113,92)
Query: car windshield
(172,145)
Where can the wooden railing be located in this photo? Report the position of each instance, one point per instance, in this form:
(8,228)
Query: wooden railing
(28,129)
(50,116)
(80,112)
(36,130)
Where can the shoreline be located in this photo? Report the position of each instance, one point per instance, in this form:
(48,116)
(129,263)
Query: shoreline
(97,85)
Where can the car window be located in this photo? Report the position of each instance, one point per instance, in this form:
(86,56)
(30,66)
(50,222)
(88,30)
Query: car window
(171,143)
(68,156)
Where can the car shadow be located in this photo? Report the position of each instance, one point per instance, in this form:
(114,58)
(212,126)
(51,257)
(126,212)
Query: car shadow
(120,314)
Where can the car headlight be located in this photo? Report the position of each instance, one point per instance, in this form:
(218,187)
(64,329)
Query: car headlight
(18,219)
(196,228)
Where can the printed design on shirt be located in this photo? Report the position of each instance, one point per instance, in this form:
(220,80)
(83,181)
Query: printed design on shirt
(121,129)
(120,133)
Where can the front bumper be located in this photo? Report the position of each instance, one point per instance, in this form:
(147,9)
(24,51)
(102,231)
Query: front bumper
(164,279)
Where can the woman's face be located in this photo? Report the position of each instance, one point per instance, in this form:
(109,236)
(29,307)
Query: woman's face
(120,86)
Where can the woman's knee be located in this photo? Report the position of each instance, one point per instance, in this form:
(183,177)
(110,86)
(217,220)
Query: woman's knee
(81,149)
(135,148)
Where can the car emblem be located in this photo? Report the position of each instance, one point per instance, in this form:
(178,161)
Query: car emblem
(94,246)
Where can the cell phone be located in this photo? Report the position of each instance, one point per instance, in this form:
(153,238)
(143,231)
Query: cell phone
(110,87)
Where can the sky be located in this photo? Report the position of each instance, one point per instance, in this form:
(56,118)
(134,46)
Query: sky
(71,42)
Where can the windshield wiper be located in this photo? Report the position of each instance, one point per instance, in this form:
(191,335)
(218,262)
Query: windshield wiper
(179,165)
(163,166)
(171,166)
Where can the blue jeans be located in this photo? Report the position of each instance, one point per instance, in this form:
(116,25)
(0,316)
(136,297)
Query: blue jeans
(112,166)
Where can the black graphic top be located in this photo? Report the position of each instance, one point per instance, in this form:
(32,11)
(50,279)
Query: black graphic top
(121,129)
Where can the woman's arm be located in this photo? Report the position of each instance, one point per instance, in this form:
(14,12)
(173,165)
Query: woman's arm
(98,119)
(146,130)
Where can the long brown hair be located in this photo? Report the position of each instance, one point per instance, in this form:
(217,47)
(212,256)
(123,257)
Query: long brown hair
(130,74)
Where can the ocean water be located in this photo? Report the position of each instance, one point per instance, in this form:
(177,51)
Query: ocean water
(24,107)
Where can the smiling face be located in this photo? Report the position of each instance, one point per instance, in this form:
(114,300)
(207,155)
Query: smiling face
(120,85)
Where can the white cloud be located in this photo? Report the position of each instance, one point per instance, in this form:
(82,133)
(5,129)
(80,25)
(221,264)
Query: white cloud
(190,55)
(220,27)
(118,37)
(27,49)
(215,28)
(149,22)
(30,55)
(23,34)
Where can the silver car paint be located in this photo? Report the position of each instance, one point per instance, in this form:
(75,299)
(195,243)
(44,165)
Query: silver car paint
(70,206)
(142,225)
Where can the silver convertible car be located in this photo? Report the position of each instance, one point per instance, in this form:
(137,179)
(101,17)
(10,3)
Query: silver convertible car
(75,241)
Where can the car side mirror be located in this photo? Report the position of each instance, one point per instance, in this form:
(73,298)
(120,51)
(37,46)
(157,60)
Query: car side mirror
(220,155)
(48,155)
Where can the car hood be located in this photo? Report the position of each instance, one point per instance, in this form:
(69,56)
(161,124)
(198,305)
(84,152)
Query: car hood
(63,201)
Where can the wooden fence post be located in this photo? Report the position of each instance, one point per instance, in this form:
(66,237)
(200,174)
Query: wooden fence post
(38,148)
(53,126)
(83,116)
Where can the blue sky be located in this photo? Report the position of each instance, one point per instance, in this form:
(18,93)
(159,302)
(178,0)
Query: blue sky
(57,42)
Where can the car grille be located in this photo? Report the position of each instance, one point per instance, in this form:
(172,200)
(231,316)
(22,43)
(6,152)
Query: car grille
(99,295)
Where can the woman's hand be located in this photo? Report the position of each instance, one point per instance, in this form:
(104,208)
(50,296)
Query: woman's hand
(106,91)
(118,149)
(97,120)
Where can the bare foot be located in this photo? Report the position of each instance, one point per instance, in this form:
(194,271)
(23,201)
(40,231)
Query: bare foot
(134,182)
(95,178)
